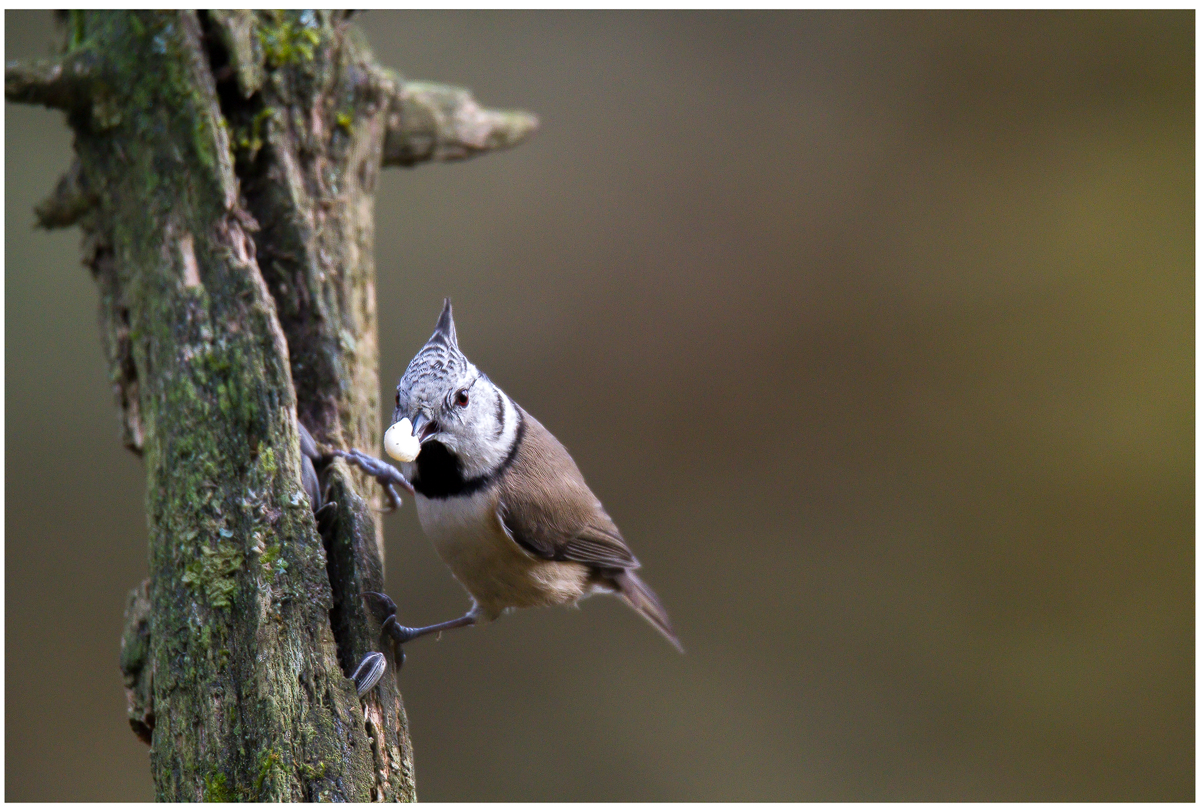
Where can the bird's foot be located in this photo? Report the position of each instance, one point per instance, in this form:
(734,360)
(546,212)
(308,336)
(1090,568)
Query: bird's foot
(388,476)
(399,635)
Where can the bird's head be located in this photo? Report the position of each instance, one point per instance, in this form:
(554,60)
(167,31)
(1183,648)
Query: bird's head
(453,405)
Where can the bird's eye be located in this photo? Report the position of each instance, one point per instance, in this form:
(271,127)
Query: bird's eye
(461,398)
(397,399)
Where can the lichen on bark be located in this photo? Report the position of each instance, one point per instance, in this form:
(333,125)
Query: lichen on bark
(226,165)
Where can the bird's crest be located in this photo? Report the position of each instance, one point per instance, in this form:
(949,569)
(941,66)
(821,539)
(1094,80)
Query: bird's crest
(438,364)
(444,331)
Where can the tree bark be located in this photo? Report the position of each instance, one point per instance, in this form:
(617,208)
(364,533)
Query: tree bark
(224,180)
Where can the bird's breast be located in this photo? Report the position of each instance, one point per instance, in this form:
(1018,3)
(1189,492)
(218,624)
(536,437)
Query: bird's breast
(468,536)
(457,521)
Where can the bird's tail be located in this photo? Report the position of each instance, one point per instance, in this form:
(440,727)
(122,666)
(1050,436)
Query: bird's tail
(642,598)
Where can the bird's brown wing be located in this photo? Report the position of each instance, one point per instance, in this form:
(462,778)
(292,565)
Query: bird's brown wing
(591,545)
(547,509)
(599,548)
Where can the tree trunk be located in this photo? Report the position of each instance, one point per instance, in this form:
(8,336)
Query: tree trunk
(226,164)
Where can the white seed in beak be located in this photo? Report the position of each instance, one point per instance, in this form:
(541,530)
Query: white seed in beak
(399,442)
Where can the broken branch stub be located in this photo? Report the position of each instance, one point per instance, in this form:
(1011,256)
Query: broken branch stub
(435,122)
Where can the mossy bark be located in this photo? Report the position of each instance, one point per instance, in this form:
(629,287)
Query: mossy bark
(224,180)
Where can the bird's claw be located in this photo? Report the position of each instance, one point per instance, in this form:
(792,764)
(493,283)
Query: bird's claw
(388,476)
(399,635)
(389,627)
(389,606)
(326,517)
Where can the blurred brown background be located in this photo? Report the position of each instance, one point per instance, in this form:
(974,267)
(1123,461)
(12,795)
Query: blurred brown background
(874,333)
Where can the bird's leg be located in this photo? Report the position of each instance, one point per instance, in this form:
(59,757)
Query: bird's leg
(386,475)
(403,634)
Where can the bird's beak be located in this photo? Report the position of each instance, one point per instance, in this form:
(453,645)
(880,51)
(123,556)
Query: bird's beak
(422,427)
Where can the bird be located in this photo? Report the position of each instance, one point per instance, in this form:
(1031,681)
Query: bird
(501,499)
